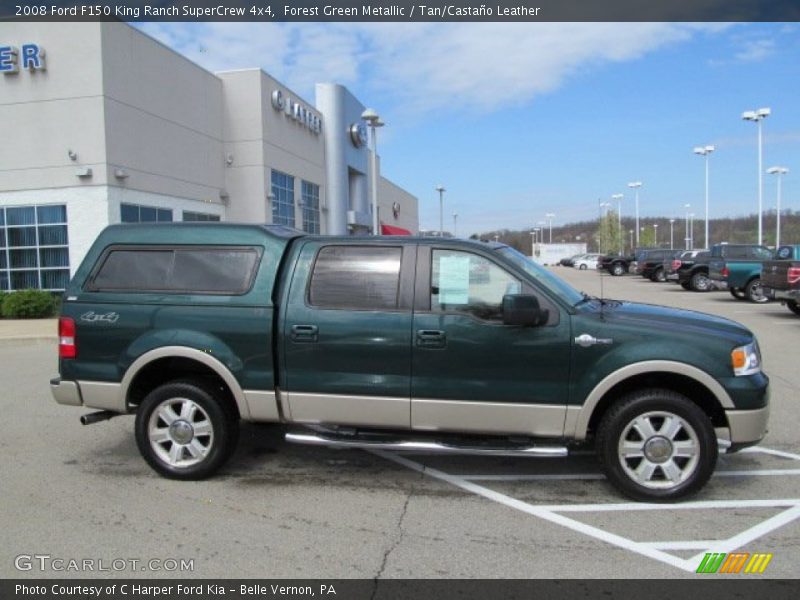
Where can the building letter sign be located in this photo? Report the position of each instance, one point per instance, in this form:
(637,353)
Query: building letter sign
(296,111)
(30,56)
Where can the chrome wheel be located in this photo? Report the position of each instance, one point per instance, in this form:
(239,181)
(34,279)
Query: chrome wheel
(659,450)
(755,292)
(180,432)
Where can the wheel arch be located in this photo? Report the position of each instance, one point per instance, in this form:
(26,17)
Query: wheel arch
(685,379)
(174,362)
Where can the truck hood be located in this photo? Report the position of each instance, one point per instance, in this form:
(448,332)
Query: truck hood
(650,317)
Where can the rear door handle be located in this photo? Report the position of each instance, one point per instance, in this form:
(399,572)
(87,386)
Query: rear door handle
(305,333)
(431,338)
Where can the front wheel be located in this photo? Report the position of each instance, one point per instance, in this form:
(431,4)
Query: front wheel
(737,293)
(582,267)
(186,430)
(755,292)
(700,282)
(656,445)
(793,306)
(618,269)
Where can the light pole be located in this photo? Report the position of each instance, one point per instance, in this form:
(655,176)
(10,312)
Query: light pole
(455,224)
(533,242)
(635,185)
(441,190)
(757,116)
(374,121)
(550,217)
(671,226)
(655,234)
(687,207)
(691,231)
(780,172)
(631,232)
(618,198)
(705,151)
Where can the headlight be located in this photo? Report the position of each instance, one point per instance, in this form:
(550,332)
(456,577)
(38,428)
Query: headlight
(746,360)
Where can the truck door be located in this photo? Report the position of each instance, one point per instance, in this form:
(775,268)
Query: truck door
(346,334)
(470,372)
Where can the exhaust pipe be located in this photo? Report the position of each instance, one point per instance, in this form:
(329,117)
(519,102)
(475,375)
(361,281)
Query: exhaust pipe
(96,417)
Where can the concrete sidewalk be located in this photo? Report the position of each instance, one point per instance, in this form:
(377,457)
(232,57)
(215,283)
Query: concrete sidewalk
(28,329)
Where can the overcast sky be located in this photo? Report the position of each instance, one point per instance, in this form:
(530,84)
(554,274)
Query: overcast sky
(517,120)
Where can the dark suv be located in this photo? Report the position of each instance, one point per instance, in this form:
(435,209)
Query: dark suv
(650,264)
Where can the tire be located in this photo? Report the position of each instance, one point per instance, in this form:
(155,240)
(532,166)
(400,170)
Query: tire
(582,267)
(617,269)
(754,292)
(658,275)
(793,306)
(678,429)
(179,451)
(686,285)
(737,293)
(700,282)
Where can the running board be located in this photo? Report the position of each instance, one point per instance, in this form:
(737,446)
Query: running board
(432,447)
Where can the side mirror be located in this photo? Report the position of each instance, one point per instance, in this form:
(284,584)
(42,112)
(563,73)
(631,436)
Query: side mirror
(523,310)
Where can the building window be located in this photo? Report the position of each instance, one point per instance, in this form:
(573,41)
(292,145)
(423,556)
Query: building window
(34,251)
(283,199)
(136,213)
(199,217)
(310,197)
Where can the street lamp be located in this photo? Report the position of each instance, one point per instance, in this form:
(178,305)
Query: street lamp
(780,172)
(757,116)
(374,121)
(441,190)
(705,151)
(635,185)
(671,226)
(687,207)
(655,234)
(550,217)
(618,198)
(455,224)
(631,232)
(533,242)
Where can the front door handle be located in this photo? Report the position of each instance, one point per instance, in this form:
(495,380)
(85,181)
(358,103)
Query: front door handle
(431,338)
(305,333)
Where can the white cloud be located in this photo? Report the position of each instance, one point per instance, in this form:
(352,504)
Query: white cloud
(425,67)
(755,51)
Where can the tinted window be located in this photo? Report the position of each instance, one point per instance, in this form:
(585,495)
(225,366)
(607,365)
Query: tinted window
(358,277)
(468,283)
(736,252)
(761,253)
(784,252)
(177,270)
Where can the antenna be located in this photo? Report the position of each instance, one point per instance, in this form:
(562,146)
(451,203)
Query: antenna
(602,295)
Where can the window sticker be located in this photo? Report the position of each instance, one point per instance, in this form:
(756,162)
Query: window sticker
(454,279)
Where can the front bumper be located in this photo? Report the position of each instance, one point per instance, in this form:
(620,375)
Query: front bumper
(66,392)
(747,427)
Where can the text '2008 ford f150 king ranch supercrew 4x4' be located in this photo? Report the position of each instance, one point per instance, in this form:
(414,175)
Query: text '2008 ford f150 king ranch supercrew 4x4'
(399,343)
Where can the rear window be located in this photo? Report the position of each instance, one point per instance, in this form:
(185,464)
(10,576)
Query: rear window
(356,277)
(219,270)
(785,253)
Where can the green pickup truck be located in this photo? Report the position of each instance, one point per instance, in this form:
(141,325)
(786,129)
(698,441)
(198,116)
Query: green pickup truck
(738,266)
(411,344)
(781,277)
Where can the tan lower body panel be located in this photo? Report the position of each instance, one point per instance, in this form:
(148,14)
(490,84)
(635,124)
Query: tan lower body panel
(262,405)
(541,420)
(103,396)
(747,425)
(372,411)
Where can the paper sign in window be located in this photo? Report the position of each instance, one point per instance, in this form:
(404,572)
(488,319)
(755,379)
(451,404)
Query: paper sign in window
(454,280)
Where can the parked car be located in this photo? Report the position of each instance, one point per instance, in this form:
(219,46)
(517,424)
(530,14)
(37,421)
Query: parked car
(616,264)
(738,267)
(682,261)
(569,262)
(650,263)
(693,273)
(780,278)
(587,261)
(435,345)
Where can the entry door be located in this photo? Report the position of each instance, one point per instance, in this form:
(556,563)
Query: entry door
(469,371)
(347,335)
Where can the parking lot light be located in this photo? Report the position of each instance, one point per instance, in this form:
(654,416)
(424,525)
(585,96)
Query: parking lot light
(757,116)
(780,172)
(687,238)
(671,227)
(550,217)
(705,151)
(441,190)
(655,234)
(635,185)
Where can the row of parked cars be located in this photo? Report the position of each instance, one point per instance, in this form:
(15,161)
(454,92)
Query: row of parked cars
(582,261)
(748,271)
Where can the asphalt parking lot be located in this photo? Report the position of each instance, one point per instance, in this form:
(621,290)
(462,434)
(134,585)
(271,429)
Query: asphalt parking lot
(279,510)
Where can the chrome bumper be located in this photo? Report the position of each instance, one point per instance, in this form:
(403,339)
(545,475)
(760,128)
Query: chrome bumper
(747,426)
(66,392)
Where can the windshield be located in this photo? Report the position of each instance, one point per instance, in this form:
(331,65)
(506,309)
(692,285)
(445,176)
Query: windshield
(554,283)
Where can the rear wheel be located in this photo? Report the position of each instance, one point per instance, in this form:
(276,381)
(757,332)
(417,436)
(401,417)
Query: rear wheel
(582,267)
(656,445)
(793,306)
(186,430)
(700,282)
(737,293)
(618,269)
(754,291)
(658,275)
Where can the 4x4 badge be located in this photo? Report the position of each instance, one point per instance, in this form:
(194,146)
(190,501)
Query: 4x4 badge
(93,317)
(585,340)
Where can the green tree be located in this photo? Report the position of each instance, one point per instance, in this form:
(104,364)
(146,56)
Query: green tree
(609,234)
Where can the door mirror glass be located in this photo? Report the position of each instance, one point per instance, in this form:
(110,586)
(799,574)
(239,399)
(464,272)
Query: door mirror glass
(523,310)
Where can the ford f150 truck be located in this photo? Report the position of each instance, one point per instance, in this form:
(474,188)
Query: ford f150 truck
(739,267)
(435,345)
(781,277)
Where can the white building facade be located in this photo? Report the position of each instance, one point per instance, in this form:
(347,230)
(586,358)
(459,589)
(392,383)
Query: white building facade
(103,124)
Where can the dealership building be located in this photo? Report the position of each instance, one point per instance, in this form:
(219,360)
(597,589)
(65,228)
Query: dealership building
(103,124)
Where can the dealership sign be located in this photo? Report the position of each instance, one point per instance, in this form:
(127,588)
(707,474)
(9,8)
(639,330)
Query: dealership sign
(28,56)
(296,111)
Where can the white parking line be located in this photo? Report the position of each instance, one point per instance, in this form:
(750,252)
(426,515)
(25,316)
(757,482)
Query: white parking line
(596,476)
(699,504)
(762,450)
(685,545)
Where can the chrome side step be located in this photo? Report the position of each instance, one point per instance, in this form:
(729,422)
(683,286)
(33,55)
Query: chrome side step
(432,447)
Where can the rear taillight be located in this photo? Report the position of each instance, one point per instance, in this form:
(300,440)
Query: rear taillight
(793,275)
(676,264)
(66,338)
(725,271)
